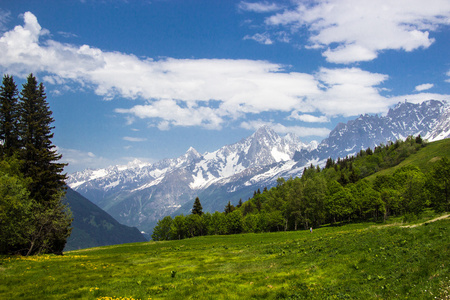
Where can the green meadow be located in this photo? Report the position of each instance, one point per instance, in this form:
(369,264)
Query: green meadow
(354,261)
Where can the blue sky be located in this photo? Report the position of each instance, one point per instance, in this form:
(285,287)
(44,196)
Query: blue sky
(148,79)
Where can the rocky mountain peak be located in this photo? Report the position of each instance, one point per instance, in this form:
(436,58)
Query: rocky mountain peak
(192,153)
(264,136)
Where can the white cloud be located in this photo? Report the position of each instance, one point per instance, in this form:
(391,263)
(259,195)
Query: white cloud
(5,17)
(357,30)
(133,139)
(80,160)
(261,7)
(349,92)
(308,118)
(67,34)
(262,38)
(282,129)
(190,92)
(423,87)
(173,114)
(418,98)
(448,74)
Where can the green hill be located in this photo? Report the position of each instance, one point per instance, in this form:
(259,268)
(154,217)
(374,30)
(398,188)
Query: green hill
(94,227)
(423,159)
(358,261)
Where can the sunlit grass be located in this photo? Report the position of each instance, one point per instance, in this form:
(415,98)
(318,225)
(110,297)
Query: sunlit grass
(356,261)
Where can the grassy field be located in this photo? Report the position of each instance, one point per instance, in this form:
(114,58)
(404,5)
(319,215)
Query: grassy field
(357,261)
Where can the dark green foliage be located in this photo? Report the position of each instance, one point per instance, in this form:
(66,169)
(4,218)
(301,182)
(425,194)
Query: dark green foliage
(16,207)
(161,232)
(438,185)
(197,208)
(229,207)
(9,116)
(37,151)
(26,132)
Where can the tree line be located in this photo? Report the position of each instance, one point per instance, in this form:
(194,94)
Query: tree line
(339,192)
(33,219)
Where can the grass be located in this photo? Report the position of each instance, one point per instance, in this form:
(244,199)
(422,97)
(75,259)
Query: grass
(356,261)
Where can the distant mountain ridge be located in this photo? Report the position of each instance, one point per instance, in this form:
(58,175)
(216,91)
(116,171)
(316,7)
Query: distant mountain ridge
(140,194)
(430,119)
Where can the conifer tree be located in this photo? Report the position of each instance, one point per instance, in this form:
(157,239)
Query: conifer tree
(37,151)
(40,164)
(229,208)
(8,116)
(197,208)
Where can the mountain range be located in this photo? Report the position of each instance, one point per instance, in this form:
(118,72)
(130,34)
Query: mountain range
(141,193)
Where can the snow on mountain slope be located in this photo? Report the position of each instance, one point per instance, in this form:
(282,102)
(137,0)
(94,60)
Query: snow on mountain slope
(140,193)
(429,119)
(441,128)
(155,183)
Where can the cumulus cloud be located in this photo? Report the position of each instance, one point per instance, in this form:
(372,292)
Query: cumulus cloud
(357,30)
(423,87)
(170,112)
(190,92)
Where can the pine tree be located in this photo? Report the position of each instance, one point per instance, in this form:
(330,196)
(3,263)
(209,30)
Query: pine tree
(229,208)
(37,151)
(8,116)
(197,208)
(40,164)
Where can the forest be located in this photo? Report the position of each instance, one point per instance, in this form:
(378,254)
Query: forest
(343,191)
(33,219)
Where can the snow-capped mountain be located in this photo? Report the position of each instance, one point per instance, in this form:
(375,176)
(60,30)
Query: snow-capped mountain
(141,193)
(430,119)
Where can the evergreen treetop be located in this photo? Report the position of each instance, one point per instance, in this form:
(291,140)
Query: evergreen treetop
(197,208)
(9,116)
(37,151)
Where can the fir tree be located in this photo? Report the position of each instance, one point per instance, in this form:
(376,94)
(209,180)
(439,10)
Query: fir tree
(8,116)
(197,209)
(37,151)
(229,208)
(40,164)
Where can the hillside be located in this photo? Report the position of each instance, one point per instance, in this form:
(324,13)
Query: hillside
(93,227)
(423,159)
(358,261)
